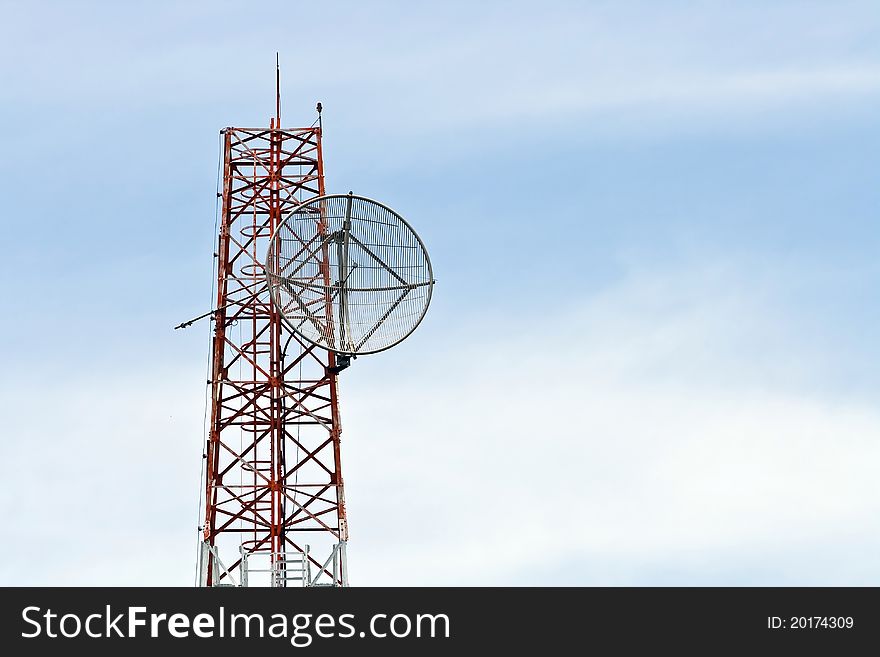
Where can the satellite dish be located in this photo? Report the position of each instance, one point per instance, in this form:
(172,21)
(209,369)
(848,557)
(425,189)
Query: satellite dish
(349,274)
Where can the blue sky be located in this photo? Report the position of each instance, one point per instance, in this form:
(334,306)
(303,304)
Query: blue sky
(655,230)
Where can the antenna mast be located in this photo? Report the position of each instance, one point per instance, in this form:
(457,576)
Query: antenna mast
(277,92)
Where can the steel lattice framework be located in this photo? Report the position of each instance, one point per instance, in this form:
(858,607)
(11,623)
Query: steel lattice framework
(273,497)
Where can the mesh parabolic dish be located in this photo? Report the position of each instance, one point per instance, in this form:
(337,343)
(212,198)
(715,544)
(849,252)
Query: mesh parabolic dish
(349,274)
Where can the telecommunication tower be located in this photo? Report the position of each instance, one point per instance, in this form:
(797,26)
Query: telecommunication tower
(305,282)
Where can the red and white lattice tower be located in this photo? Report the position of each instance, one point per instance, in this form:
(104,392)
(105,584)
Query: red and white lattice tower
(274,503)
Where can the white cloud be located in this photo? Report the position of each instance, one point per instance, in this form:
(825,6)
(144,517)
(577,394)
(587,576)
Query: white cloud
(658,427)
(663,440)
(104,483)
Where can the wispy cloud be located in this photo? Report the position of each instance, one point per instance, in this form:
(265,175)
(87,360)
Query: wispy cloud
(650,424)
(501,64)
